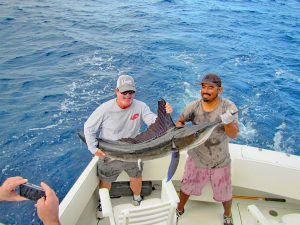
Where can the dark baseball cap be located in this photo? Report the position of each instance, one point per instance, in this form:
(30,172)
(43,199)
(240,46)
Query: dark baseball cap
(212,78)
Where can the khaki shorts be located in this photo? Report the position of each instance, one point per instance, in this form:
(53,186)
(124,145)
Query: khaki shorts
(195,178)
(109,170)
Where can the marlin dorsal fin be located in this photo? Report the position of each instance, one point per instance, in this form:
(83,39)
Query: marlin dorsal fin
(162,123)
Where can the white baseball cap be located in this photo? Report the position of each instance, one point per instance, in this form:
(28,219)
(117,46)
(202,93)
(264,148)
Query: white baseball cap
(125,83)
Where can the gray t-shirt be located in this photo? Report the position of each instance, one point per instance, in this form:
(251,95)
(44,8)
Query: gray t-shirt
(114,123)
(214,153)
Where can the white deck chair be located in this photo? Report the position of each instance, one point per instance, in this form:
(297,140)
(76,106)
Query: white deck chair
(151,211)
(288,219)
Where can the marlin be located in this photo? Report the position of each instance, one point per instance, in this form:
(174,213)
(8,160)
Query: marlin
(160,139)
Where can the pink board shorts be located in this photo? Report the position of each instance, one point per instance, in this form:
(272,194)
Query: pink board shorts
(195,178)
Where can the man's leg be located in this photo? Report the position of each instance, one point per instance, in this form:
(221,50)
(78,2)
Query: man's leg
(227,207)
(227,217)
(221,183)
(104,184)
(136,185)
(134,171)
(105,177)
(192,183)
(107,171)
(183,198)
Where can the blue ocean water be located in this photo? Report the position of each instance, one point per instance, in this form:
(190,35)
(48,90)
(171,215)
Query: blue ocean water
(60,59)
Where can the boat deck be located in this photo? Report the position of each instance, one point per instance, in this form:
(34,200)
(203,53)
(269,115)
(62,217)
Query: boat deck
(211,213)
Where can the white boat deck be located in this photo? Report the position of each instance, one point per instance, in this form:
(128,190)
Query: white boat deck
(211,213)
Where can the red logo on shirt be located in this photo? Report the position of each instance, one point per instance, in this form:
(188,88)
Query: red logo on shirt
(133,117)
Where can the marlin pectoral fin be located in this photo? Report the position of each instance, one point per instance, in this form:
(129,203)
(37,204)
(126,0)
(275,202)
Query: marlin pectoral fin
(174,163)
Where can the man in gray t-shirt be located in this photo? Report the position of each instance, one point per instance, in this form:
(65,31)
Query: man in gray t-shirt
(121,117)
(210,162)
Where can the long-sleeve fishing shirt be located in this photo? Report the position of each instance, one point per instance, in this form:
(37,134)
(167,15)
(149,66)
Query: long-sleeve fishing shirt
(110,122)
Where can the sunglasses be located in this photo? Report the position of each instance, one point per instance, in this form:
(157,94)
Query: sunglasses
(127,92)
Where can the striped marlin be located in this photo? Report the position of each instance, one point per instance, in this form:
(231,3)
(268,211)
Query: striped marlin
(160,139)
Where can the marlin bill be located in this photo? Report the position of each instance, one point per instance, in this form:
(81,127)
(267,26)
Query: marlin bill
(161,138)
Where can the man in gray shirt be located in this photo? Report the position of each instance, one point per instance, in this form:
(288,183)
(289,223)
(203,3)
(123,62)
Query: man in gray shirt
(118,118)
(210,162)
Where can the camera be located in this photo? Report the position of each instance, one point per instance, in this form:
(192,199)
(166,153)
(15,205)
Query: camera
(31,191)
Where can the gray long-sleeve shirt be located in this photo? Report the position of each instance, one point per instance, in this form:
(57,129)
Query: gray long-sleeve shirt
(113,123)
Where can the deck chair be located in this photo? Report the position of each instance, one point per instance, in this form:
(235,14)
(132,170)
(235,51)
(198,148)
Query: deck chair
(156,211)
(288,219)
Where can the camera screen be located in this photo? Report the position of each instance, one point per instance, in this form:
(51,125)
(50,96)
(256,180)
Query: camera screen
(31,191)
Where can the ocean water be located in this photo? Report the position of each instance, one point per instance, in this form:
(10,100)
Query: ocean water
(60,59)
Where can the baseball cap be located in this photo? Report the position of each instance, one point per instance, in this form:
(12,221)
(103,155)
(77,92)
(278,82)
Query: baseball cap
(212,78)
(125,83)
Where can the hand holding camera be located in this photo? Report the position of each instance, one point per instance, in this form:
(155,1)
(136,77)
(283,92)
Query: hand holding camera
(47,201)
(31,191)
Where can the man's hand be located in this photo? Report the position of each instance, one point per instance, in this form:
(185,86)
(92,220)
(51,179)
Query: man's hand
(169,108)
(227,117)
(99,153)
(8,192)
(47,208)
(181,121)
